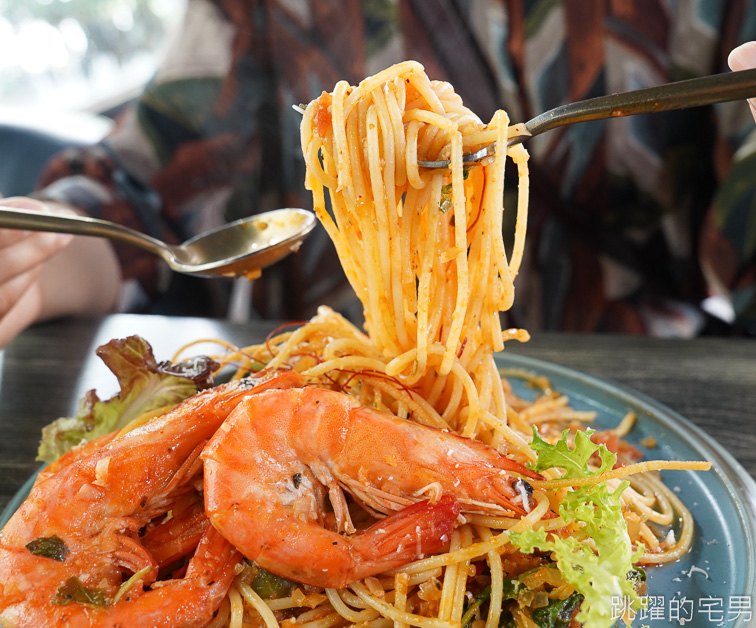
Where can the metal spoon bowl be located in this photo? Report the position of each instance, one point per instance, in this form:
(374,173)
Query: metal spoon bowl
(238,249)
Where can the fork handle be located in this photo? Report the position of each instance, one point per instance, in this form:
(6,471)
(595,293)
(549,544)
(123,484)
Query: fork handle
(695,92)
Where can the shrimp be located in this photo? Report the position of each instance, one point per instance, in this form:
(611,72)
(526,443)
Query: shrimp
(72,455)
(176,535)
(269,466)
(189,601)
(93,509)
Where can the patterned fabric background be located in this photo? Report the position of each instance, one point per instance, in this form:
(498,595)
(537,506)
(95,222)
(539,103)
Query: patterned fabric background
(635,222)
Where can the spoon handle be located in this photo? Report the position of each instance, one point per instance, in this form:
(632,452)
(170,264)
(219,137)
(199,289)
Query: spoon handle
(695,92)
(13,218)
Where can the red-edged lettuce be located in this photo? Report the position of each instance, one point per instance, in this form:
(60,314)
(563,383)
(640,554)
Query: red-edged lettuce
(603,576)
(145,385)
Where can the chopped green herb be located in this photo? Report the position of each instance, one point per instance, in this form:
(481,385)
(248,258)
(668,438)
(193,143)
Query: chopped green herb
(49,547)
(512,587)
(446,202)
(268,585)
(472,608)
(129,584)
(558,614)
(74,591)
(636,575)
(506,620)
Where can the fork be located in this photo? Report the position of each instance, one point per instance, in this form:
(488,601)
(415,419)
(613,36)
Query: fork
(697,92)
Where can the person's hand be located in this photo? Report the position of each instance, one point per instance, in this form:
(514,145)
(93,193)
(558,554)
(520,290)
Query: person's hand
(744,58)
(22,257)
(47,275)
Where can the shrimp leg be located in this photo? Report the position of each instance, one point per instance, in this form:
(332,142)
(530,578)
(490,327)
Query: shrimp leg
(186,602)
(170,540)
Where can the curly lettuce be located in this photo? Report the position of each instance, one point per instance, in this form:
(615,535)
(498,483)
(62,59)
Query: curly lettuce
(598,559)
(145,385)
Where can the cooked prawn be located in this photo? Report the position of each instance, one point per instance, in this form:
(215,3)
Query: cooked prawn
(72,455)
(95,506)
(175,536)
(269,466)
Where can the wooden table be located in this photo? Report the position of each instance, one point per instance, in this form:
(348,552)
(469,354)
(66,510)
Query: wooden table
(43,373)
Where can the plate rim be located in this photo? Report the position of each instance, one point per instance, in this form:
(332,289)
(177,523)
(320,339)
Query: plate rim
(740,485)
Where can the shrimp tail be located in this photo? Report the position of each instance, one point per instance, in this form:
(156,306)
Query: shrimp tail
(420,529)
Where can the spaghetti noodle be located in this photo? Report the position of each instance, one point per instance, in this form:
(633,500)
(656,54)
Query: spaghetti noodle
(481,554)
(424,251)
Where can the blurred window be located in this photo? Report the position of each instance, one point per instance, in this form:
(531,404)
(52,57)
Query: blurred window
(85,55)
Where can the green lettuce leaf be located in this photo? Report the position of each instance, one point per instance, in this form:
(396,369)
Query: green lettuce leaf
(600,575)
(573,461)
(145,385)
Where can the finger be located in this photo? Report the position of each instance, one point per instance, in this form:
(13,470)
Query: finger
(22,254)
(24,202)
(12,291)
(12,236)
(22,314)
(744,58)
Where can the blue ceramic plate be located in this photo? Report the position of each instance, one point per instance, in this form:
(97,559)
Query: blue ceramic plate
(714,584)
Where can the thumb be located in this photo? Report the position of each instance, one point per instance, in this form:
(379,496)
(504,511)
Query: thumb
(743,57)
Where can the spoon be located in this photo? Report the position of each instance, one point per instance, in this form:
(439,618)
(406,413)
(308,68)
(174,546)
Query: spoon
(238,249)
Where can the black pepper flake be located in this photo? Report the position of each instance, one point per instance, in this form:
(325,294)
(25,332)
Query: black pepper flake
(297,479)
